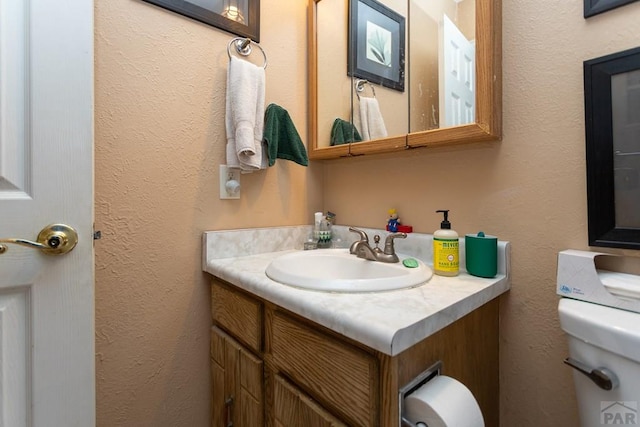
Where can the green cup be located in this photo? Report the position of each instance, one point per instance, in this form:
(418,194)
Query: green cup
(481,254)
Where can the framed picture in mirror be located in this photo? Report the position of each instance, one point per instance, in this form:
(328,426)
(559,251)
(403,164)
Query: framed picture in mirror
(376,44)
(240,17)
(594,7)
(612,121)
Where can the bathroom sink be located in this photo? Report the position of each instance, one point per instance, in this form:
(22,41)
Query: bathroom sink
(335,270)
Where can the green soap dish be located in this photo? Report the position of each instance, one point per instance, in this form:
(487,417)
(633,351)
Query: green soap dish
(410,263)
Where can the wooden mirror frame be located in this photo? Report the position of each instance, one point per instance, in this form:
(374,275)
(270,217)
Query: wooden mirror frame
(488,125)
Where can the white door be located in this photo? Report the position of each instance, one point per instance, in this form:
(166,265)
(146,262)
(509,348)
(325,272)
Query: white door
(457,69)
(46,176)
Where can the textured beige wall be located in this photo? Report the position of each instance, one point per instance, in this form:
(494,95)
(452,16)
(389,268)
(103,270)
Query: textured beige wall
(159,137)
(528,189)
(159,120)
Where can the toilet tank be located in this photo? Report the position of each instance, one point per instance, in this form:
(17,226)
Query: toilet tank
(604,337)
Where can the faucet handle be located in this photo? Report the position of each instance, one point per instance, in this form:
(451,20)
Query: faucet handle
(363,239)
(361,233)
(388,243)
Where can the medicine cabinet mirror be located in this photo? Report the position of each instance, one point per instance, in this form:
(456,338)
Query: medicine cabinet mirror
(420,114)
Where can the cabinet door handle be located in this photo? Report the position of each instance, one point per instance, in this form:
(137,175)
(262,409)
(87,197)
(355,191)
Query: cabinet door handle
(228,403)
(602,377)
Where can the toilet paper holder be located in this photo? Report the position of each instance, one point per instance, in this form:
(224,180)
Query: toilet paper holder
(424,377)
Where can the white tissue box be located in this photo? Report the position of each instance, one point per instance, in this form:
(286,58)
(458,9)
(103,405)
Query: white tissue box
(579,278)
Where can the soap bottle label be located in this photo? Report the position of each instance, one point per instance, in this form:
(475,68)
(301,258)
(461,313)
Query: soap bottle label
(446,255)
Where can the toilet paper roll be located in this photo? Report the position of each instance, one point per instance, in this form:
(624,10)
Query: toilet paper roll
(443,402)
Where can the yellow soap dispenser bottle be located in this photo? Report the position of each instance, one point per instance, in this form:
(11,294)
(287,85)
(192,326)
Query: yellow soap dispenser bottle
(446,260)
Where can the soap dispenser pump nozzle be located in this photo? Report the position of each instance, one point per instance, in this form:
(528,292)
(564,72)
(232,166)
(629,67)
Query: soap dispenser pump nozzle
(445,224)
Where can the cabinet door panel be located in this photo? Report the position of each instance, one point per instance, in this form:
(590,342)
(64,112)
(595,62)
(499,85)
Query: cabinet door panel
(250,410)
(293,409)
(238,313)
(341,376)
(236,375)
(251,379)
(217,378)
(250,374)
(285,404)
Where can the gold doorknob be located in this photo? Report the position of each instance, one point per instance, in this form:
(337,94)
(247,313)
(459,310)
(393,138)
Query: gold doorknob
(54,239)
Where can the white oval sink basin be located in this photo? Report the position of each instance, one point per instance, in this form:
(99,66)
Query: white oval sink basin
(335,270)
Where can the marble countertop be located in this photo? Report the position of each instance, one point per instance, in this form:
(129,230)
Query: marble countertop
(390,322)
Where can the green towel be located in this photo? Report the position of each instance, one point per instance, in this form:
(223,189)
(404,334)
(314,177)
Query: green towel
(282,138)
(343,132)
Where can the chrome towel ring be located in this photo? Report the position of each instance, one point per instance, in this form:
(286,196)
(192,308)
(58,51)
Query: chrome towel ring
(243,47)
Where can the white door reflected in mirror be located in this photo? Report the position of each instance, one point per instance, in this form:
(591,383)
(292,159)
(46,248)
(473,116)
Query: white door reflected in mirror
(457,70)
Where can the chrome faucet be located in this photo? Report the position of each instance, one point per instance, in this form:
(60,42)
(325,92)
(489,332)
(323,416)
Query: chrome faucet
(361,247)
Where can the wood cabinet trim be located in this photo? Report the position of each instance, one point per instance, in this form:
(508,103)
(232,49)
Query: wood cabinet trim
(238,313)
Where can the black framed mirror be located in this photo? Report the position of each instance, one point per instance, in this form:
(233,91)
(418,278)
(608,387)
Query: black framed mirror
(240,17)
(612,125)
(594,7)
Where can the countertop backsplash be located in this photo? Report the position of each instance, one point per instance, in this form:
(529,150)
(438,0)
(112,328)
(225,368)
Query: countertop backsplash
(243,242)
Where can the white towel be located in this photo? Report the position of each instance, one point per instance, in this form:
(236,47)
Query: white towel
(244,118)
(369,121)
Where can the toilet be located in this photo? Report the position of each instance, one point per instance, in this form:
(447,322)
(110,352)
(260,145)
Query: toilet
(604,342)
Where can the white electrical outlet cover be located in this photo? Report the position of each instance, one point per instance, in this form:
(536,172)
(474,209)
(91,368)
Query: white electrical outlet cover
(231,191)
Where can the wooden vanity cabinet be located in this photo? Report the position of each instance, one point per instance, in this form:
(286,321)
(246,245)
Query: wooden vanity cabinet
(282,370)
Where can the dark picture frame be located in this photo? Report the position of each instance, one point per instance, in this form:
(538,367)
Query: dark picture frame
(605,172)
(195,9)
(376,44)
(594,7)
